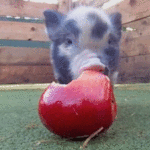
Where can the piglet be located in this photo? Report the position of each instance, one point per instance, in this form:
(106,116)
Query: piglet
(84,39)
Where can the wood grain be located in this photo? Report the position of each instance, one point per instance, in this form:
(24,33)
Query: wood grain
(131,9)
(134,46)
(25,74)
(24,56)
(95,3)
(22,31)
(135,69)
(140,27)
(25,65)
(136,40)
(24,8)
(64,6)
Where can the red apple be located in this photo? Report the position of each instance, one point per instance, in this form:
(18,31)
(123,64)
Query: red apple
(80,107)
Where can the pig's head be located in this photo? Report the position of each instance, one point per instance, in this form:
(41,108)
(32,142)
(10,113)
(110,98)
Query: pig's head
(86,38)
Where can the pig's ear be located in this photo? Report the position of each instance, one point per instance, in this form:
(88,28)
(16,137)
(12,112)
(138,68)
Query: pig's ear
(52,21)
(116,21)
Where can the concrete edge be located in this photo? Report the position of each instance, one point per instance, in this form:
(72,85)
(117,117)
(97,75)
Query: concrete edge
(44,85)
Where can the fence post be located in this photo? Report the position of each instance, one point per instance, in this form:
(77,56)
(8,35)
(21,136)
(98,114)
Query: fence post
(64,6)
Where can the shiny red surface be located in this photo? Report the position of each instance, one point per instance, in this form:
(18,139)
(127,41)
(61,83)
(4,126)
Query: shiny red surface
(79,108)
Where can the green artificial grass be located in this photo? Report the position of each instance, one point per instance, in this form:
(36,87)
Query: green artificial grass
(21,128)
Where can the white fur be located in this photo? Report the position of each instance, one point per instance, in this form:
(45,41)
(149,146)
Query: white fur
(85,51)
(80,14)
(85,59)
(65,51)
(115,77)
(90,48)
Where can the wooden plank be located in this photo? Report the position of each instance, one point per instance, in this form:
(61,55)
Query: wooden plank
(136,40)
(24,8)
(64,6)
(127,65)
(133,80)
(22,31)
(132,69)
(142,63)
(95,3)
(135,66)
(25,74)
(131,9)
(139,28)
(131,46)
(22,56)
(28,68)
(135,69)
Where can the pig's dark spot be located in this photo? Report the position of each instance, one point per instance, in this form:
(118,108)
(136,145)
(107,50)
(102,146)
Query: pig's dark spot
(61,64)
(99,28)
(71,26)
(52,18)
(112,39)
(110,51)
(116,21)
(106,72)
(112,56)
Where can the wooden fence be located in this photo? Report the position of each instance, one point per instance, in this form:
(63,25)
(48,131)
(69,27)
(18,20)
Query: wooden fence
(135,43)
(24,50)
(24,46)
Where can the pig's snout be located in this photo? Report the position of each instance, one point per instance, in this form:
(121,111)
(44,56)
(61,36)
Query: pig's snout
(86,60)
(92,64)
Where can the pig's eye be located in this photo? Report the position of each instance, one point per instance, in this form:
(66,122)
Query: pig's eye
(68,42)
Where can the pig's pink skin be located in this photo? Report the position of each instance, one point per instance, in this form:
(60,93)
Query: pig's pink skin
(80,107)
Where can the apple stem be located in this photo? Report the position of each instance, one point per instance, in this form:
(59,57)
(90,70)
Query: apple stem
(90,137)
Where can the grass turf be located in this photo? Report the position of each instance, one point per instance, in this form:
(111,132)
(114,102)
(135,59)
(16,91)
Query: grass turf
(21,129)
